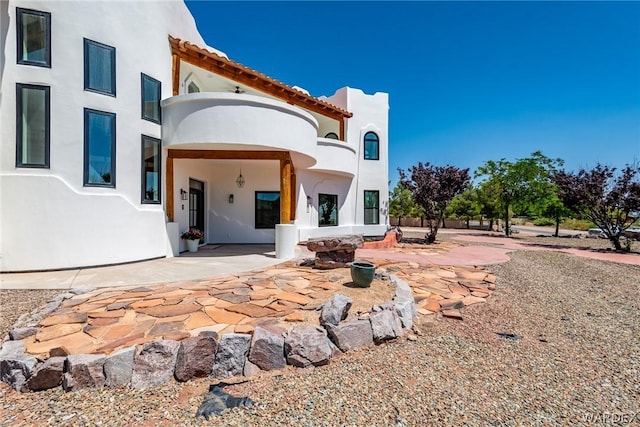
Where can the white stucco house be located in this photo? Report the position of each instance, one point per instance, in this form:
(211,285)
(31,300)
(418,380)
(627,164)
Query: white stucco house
(120,128)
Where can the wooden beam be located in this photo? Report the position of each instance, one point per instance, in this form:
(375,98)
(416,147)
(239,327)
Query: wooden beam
(250,78)
(285,191)
(341,122)
(175,74)
(169,177)
(229,155)
(293,193)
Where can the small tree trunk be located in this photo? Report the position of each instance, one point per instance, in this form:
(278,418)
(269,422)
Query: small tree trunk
(491,224)
(557,226)
(399,221)
(507,231)
(615,240)
(468,223)
(422,221)
(443,224)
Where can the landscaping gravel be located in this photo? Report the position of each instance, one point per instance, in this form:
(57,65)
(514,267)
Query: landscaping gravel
(578,359)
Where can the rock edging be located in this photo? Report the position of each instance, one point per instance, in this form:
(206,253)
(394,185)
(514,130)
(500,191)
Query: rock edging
(155,363)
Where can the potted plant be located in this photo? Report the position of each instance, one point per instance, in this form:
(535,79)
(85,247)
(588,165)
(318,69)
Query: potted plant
(192,237)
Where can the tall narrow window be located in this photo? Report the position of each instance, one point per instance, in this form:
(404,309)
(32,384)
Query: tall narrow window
(99,148)
(32,126)
(327,210)
(371,207)
(150,170)
(267,209)
(151,94)
(371,146)
(99,67)
(34,37)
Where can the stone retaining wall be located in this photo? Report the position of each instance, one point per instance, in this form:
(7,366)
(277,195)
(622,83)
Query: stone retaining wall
(269,347)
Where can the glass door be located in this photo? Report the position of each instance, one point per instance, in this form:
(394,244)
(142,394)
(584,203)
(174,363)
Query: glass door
(196,205)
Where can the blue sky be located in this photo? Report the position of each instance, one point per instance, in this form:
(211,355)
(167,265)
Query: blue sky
(467,81)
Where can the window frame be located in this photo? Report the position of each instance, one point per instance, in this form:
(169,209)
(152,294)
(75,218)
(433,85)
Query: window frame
(377,208)
(47,126)
(144,77)
(143,180)
(112,49)
(255,210)
(20,37)
(86,157)
(364,140)
(320,196)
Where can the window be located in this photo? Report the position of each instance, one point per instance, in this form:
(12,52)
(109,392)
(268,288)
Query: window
(371,207)
(371,146)
(267,209)
(193,88)
(99,148)
(99,67)
(331,135)
(32,126)
(34,37)
(150,169)
(327,210)
(151,95)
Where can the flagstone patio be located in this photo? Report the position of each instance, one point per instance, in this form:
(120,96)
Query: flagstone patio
(108,319)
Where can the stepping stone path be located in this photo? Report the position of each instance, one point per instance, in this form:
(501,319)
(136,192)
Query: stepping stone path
(111,322)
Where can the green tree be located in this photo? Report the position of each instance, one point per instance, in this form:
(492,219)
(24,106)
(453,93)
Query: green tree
(401,205)
(489,202)
(550,206)
(520,184)
(465,206)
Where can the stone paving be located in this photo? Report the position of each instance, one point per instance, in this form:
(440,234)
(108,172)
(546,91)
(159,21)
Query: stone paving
(108,319)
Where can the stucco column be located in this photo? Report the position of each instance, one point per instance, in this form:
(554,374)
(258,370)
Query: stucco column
(286,241)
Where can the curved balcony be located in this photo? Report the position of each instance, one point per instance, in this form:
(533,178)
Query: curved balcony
(230,121)
(335,157)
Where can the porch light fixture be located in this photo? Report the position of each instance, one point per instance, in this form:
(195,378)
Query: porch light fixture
(240,180)
(230,198)
(183,194)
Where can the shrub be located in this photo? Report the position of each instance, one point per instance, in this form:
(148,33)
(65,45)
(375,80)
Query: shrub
(543,221)
(577,224)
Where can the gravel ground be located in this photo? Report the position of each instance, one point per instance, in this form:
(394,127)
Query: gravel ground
(14,303)
(577,359)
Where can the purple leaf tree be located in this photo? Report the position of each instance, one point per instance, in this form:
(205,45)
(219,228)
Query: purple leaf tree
(609,200)
(432,188)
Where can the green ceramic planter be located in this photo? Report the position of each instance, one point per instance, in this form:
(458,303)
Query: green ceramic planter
(362,273)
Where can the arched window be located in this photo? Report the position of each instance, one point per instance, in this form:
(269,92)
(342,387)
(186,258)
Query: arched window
(371,146)
(331,135)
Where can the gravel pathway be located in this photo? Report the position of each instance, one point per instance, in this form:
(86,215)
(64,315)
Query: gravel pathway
(578,358)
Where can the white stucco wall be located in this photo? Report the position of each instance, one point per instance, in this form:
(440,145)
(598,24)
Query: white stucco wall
(239,122)
(225,222)
(370,113)
(49,219)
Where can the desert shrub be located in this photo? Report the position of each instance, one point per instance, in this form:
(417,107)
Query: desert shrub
(543,221)
(577,224)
